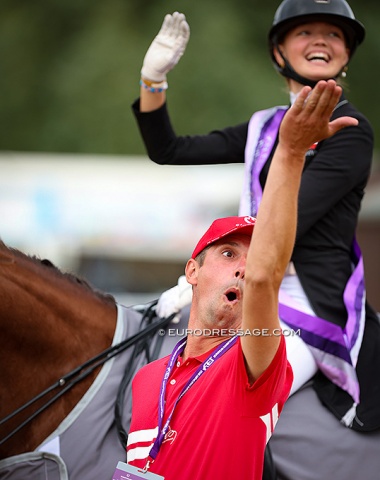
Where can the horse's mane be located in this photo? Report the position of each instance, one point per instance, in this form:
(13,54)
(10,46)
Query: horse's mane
(71,277)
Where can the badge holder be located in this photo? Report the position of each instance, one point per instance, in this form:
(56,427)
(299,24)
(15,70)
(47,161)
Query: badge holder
(129,472)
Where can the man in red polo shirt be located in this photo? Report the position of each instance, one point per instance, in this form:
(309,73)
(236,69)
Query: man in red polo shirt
(207,410)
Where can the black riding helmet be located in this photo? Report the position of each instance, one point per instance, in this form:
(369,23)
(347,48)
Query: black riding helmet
(294,12)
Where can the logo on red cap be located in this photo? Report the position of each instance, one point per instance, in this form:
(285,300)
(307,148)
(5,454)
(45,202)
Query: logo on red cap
(221,228)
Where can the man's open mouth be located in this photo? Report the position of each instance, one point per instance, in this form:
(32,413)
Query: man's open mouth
(232,294)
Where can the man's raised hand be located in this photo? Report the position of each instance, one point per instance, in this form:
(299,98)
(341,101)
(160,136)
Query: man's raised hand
(308,120)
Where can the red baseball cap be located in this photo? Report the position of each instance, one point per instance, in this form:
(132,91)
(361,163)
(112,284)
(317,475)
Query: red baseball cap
(221,228)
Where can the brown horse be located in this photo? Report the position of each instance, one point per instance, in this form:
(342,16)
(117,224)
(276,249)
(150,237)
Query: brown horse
(50,323)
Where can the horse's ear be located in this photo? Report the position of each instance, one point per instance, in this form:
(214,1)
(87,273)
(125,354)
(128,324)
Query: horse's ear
(47,262)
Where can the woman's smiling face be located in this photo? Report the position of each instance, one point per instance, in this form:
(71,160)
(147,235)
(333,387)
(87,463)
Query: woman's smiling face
(315,50)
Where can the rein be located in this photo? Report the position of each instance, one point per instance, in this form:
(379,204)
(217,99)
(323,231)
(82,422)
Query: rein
(72,378)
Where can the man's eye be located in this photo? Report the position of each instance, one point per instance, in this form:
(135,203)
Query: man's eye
(227,253)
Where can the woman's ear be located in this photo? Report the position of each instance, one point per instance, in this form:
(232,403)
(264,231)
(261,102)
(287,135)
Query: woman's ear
(191,271)
(348,53)
(278,57)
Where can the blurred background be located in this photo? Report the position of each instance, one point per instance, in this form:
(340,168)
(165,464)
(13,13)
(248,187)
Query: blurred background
(76,186)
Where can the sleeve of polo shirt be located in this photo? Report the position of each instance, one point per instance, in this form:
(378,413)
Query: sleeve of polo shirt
(271,388)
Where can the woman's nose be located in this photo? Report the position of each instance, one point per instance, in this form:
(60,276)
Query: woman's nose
(319,39)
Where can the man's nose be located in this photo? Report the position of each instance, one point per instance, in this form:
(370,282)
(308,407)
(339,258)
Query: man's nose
(240,271)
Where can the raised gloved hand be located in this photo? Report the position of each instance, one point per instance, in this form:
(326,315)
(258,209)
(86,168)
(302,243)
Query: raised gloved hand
(174,299)
(167,48)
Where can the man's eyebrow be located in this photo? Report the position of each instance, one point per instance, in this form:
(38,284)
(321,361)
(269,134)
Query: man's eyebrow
(228,242)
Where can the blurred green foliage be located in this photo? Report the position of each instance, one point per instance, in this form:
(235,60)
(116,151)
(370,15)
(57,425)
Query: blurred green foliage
(70,70)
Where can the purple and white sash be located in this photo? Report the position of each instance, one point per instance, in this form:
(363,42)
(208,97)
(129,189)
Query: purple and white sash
(335,349)
(262,133)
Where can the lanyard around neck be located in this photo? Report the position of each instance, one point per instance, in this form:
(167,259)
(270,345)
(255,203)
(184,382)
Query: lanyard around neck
(178,349)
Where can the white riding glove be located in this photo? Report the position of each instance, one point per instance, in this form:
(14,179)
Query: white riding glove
(167,48)
(174,299)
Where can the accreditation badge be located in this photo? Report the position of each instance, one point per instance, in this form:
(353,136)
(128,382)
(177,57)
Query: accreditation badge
(128,472)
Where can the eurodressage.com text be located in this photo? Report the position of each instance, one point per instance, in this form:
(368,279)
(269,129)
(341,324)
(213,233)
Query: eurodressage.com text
(229,332)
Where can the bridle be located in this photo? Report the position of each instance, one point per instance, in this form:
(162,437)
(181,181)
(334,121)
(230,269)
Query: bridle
(65,383)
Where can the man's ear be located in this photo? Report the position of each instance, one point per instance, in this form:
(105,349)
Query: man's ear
(191,271)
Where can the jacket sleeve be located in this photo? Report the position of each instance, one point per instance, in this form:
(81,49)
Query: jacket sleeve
(340,168)
(166,148)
